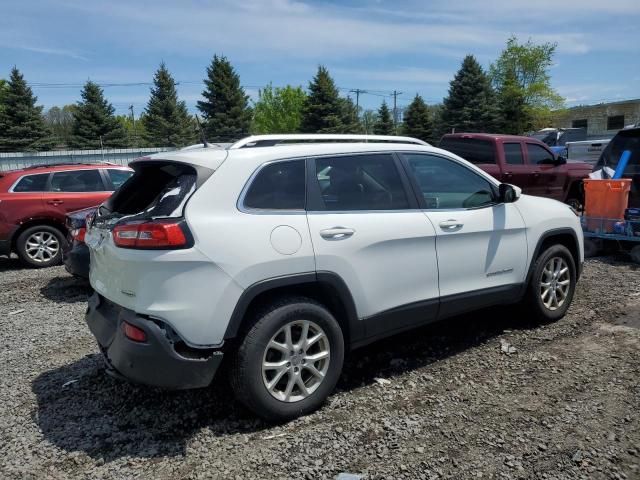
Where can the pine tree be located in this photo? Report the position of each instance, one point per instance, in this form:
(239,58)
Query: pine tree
(322,110)
(22,125)
(470,105)
(93,120)
(350,123)
(384,122)
(166,119)
(515,117)
(417,120)
(226,113)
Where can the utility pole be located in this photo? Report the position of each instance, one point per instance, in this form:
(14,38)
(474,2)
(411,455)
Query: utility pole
(133,119)
(357,91)
(395,110)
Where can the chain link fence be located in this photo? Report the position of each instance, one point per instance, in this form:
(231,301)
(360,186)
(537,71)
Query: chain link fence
(120,156)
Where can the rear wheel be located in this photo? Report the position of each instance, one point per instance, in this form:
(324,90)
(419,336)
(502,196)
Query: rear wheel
(40,246)
(552,284)
(289,361)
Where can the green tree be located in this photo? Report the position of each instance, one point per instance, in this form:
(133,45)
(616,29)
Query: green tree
(94,123)
(22,126)
(515,117)
(369,118)
(4,89)
(417,120)
(470,104)
(349,121)
(135,131)
(525,66)
(278,110)
(384,122)
(323,109)
(166,120)
(60,124)
(225,109)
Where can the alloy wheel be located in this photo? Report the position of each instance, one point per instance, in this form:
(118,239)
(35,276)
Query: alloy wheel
(555,283)
(295,361)
(42,247)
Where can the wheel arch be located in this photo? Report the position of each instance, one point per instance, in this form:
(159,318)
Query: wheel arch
(327,288)
(33,222)
(566,237)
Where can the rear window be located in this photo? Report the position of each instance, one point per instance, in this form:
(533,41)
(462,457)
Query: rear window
(157,189)
(77,181)
(278,186)
(118,177)
(32,183)
(473,150)
(624,140)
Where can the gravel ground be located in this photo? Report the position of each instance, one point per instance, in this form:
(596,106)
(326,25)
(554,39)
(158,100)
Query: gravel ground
(445,401)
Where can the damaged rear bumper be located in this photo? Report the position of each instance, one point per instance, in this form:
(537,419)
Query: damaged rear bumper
(163,360)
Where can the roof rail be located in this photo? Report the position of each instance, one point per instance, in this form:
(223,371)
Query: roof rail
(271,140)
(64,164)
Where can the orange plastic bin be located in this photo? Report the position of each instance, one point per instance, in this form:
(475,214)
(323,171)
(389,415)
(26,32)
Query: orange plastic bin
(605,202)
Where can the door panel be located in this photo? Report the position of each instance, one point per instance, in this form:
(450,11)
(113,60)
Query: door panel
(74,190)
(480,244)
(516,169)
(550,178)
(385,253)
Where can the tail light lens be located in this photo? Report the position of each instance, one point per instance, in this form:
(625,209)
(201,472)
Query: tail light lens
(78,234)
(150,235)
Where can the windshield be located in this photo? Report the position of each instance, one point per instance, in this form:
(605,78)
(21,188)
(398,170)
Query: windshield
(547,137)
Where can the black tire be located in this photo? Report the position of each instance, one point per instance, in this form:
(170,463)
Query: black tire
(533,302)
(246,375)
(27,255)
(634,253)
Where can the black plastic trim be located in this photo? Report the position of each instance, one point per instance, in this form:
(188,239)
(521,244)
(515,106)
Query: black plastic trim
(5,247)
(356,329)
(154,362)
(452,305)
(552,233)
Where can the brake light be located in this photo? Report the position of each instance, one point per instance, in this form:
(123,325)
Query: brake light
(134,333)
(78,234)
(151,235)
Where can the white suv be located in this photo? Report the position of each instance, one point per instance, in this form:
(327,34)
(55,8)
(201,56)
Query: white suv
(282,252)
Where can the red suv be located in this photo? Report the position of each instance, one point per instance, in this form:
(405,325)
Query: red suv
(34,202)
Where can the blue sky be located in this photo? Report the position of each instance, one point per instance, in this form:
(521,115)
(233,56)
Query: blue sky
(410,46)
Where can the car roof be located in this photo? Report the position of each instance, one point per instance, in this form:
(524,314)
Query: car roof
(213,157)
(56,167)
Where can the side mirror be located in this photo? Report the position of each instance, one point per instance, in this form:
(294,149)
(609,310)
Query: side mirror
(508,193)
(561,160)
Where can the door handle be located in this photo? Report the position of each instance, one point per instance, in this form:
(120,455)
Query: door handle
(55,202)
(337,233)
(450,225)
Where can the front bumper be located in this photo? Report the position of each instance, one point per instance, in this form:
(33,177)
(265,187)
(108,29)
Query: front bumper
(155,362)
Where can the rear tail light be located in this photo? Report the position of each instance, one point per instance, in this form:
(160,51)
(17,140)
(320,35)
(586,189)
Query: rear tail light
(150,235)
(78,234)
(134,333)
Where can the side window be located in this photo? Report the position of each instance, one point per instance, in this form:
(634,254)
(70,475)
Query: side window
(513,154)
(118,177)
(445,184)
(77,181)
(278,186)
(32,183)
(538,155)
(473,150)
(360,182)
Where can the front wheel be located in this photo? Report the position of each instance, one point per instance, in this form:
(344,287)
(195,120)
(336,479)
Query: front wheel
(289,361)
(552,284)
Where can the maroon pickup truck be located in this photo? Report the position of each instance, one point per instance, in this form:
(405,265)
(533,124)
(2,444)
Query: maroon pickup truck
(522,161)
